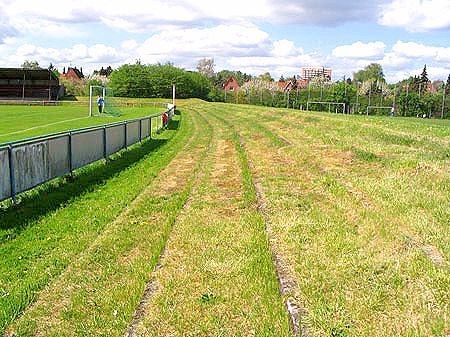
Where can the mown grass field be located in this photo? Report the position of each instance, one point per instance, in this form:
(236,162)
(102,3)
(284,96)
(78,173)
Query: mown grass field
(19,122)
(170,238)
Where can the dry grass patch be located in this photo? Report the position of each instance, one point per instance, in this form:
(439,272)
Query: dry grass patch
(340,216)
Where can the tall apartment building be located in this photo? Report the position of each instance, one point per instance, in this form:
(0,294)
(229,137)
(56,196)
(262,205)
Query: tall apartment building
(308,73)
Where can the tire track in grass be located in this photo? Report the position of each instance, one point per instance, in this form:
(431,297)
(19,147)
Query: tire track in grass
(217,277)
(328,168)
(287,283)
(150,289)
(366,280)
(98,293)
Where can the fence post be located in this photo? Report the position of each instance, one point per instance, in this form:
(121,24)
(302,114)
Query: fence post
(140,131)
(126,136)
(150,127)
(70,154)
(104,142)
(11,173)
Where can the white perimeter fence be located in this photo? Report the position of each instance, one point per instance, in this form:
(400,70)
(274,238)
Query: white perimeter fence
(27,163)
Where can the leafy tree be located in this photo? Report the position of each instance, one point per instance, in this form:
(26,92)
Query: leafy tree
(282,79)
(206,67)
(33,65)
(343,93)
(373,71)
(103,71)
(138,80)
(219,79)
(447,85)
(266,77)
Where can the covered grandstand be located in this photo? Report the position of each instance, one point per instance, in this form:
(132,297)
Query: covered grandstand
(28,84)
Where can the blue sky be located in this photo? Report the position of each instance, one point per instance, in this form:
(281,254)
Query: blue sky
(252,36)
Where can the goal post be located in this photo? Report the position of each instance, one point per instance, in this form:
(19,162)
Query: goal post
(108,107)
(374,107)
(328,105)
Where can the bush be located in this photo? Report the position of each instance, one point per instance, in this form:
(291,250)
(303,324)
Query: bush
(138,80)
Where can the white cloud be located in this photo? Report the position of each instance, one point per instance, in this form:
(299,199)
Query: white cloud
(285,48)
(244,47)
(416,15)
(360,50)
(418,50)
(223,40)
(156,15)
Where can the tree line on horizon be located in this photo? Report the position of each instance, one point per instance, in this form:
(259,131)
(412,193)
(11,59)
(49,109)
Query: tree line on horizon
(367,87)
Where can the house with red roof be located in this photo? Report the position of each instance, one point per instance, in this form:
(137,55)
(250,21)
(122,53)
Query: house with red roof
(73,74)
(231,84)
(287,85)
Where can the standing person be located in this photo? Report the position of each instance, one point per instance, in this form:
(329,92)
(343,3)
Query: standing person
(100,104)
(165,118)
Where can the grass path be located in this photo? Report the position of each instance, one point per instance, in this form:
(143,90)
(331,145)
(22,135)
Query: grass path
(348,229)
(217,276)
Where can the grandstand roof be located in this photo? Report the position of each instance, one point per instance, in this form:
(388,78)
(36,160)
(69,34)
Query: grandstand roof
(30,74)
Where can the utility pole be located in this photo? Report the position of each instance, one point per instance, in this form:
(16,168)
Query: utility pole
(443,101)
(407,95)
(357,96)
(345,87)
(309,95)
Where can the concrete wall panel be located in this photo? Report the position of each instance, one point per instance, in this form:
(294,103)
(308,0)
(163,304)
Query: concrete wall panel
(5,183)
(115,139)
(87,147)
(132,133)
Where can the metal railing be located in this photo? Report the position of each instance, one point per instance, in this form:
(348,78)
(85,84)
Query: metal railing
(118,102)
(30,162)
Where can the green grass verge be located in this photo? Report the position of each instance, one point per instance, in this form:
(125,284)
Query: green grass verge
(52,225)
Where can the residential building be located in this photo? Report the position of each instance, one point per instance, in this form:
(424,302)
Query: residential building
(231,84)
(288,85)
(308,73)
(73,74)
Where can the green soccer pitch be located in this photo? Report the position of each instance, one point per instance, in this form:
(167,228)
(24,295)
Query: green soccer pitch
(18,122)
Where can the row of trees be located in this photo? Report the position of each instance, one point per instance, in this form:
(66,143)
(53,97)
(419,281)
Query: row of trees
(367,90)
